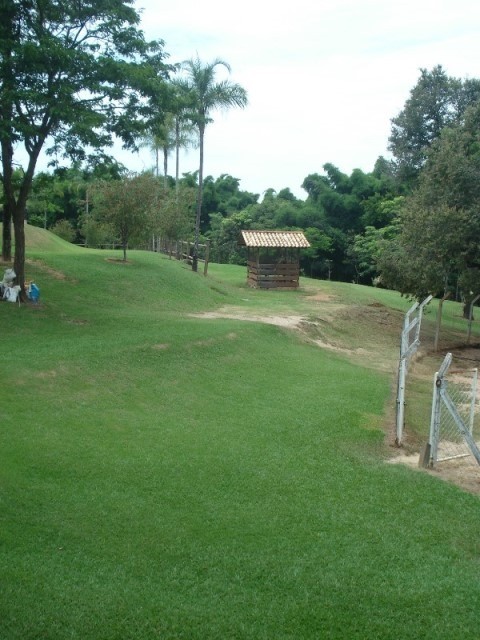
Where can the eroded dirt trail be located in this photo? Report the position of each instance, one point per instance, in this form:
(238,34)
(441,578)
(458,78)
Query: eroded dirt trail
(326,323)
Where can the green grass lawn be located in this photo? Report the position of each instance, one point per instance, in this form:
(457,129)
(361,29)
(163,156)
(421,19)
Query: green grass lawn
(168,476)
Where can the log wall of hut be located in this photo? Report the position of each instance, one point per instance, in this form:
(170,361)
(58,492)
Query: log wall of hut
(273,268)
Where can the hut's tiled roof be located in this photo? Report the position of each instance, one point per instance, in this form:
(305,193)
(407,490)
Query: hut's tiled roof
(274,239)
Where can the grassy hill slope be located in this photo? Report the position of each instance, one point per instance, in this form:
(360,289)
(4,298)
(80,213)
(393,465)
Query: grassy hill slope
(171,470)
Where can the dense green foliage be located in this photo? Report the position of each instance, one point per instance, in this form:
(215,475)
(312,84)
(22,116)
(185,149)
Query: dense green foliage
(73,75)
(171,476)
(437,250)
(437,101)
(410,223)
(137,207)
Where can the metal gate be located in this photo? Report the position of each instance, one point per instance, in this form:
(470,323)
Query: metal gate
(452,427)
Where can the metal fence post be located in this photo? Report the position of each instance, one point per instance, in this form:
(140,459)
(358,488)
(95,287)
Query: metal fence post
(407,348)
(473,400)
(434,421)
(401,400)
(438,382)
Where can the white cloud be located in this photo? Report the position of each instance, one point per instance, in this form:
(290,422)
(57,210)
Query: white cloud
(323,78)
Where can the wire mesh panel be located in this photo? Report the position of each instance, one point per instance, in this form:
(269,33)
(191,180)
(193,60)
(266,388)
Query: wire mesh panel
(409,343)
(461,386)
(455,424)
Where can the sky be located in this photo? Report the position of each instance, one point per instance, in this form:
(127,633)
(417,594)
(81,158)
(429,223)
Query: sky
(324,78)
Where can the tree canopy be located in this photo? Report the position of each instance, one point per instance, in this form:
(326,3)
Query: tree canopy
(437,249)
(436,101)
(78,75)
(74,74)
(205,95)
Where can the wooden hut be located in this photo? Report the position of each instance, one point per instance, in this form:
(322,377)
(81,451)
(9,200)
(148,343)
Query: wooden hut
(273,258)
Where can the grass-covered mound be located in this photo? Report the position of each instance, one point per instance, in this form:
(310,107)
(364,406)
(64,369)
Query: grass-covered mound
(164,475)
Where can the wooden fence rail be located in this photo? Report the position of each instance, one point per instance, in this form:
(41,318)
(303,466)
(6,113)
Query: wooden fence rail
(182,250)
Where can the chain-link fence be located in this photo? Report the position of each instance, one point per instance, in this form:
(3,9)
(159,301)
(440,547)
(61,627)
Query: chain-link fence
(455,423)
(409,343)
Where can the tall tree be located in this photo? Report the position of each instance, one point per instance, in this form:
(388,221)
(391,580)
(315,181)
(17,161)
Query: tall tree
(436,101)
(172,134)
(186,134)
(205,96)
(74,72)
(154,142)
(8,38)
(438,247)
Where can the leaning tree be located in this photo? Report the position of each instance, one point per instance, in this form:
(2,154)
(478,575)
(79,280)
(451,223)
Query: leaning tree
(74,73)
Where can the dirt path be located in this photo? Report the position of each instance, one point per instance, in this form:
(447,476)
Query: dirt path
(294,322)
(379,328)
(233,313)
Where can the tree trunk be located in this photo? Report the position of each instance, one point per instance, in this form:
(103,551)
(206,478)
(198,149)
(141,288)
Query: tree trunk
(18,213)
(8,36)
(165,167)
(177,152)
(470,317)
(439,320)
(19,262)
(8,199)
(199,204)
(7,233)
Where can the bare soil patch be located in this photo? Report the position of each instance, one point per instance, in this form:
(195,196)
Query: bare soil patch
(77,321)
(294,322)
(290,322)
(118,261)
(463,472)
(321,297)
(354,331)
(43,267)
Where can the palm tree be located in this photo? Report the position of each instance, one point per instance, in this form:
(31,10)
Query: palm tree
(154,143)
(185,132)
(161,139)
(170,130)
(207,95)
